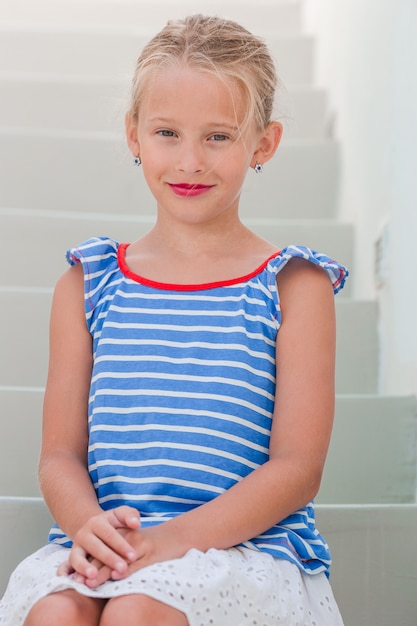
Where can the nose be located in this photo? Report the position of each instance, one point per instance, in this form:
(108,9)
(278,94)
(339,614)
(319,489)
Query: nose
(190,158)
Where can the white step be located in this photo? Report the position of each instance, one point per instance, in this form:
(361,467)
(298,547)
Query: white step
(24,315)
(282,16)
(68,51)
(308,116)
(94,172)
(35,242)
(20,427)
(24,527)
(371,457)
(374,555)
(100,105)
(357,350)
(374,569)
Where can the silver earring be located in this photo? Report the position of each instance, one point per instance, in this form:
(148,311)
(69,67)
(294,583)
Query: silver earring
(137,161)
(258,168)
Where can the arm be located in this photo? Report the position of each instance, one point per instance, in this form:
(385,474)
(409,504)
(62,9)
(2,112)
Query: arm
(302,424)
(63,474)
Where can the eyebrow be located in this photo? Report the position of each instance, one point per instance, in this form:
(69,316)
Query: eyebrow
(171,122)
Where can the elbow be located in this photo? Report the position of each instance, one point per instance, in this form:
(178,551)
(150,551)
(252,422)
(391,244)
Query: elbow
(313,481)
(43,473)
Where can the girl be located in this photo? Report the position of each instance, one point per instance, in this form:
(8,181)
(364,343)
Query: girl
(190,394)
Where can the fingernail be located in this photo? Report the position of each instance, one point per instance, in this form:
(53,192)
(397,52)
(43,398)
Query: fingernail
(120,567)
(132,556)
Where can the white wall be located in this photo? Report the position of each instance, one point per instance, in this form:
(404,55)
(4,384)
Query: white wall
(367,59)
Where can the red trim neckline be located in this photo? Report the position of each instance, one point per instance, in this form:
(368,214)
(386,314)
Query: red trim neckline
(121,259)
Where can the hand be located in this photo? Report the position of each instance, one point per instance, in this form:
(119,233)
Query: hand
(100,540)
(103,572)
(152,545)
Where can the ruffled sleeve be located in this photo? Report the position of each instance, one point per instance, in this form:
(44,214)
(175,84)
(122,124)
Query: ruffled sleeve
(336,272)
(98,257)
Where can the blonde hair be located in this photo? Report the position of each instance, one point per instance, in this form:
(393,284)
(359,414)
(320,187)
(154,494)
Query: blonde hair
(220,47)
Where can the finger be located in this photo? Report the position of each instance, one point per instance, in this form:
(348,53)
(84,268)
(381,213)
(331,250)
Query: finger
(104,542)
(104,574)
(96,566)
(80,563)
(108,530)
(127,516)
(65,569)
(79,579)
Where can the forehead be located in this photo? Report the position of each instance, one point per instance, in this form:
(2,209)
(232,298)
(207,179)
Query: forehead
(192,91)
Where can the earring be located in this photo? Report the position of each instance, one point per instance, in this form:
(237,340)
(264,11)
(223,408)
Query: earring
(137,161)
(258,168)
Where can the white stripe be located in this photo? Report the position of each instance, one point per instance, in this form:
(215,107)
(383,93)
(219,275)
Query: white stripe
(177,446)
(94,243)
(220,330)
(235,419)
(280,549)
(105,281)
(181,394)
(110,358)
(187,378)
(173,429)
(267,291)
(190,344)
(148,498)
(198,467)
(160,480)
(195,297)
(59,537)
(195,313)
(91,277)
(296,525)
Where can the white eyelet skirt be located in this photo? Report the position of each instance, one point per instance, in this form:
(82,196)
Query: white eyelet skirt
(235,587)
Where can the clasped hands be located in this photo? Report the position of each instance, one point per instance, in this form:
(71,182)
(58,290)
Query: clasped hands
(110,546)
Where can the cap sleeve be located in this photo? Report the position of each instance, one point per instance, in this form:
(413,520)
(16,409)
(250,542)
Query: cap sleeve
(98,257)
(336,272)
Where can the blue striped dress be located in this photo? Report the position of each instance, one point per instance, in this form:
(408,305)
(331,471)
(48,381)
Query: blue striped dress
(182,391)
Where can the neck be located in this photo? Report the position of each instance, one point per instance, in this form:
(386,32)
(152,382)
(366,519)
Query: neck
(208,239)
(195,253)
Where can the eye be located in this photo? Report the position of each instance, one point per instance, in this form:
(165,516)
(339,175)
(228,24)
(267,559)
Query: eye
(219,137)
(164,132)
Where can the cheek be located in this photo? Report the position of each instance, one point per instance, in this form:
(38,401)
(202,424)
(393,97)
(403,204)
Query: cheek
(152,158)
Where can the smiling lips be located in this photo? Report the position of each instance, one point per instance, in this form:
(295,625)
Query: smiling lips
(187,190)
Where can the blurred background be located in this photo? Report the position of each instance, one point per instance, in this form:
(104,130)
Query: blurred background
(366,57)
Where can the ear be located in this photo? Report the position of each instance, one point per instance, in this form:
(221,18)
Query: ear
(268,143)
(131,126)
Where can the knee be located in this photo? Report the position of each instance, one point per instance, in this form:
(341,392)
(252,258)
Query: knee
(131,610)
(140,610)
(63,608)
(52,609)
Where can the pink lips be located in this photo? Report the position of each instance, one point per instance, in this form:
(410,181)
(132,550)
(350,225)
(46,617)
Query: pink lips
(187,190)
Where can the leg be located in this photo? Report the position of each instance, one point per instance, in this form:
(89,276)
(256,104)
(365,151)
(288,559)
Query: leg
(140,610)
(66,608)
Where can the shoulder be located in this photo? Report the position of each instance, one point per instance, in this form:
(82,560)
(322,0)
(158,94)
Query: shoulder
(300,263)
(306,283)
(305,287)
(308,317)
(98,263)
(68,299)
(93,250)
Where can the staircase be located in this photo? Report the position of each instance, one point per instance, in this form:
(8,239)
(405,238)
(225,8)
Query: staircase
(66,174)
